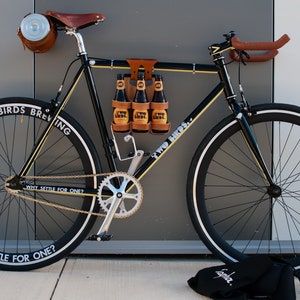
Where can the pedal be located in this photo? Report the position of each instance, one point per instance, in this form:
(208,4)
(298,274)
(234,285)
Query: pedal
(100,237)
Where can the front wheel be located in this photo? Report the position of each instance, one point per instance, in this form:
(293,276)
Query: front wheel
(228,198)
(35,234)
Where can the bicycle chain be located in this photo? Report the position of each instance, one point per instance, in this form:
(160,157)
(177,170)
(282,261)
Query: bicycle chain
(58,206)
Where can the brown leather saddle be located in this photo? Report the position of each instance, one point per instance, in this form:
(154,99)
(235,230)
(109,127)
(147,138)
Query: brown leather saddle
(76,20)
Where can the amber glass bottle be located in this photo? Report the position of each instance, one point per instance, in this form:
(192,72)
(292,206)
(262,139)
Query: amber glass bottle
(140,106)
(121,105)
(159,106)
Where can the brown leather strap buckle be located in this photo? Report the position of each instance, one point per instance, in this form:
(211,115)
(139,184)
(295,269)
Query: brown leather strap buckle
(137,63)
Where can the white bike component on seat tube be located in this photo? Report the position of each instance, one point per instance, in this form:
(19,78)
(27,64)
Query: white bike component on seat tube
(79,39)
(137,154)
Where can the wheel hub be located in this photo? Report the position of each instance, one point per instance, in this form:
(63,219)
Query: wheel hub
(274,191)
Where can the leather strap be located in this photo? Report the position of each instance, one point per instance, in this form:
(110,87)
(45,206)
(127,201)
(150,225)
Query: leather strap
(146,64)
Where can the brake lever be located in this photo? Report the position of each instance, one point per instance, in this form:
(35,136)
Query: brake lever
(241,54)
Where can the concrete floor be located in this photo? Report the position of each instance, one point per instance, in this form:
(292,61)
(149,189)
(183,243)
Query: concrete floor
(109,277)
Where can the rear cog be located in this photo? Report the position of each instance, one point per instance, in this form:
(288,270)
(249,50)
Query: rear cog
(123,186)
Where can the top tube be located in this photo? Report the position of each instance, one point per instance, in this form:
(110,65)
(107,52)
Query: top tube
(159,66)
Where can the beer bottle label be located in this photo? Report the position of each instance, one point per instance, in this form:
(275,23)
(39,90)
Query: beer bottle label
(159,116)
(121,116)
(120,85)
(140,85)
(158,86)
(140,116)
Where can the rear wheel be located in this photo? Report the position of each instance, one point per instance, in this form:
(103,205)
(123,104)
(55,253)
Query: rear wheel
(233,210)
(33,235)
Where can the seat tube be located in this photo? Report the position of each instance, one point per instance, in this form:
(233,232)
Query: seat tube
(98,113)
(95,99)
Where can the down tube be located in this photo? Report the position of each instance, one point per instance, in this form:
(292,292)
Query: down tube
(179,131)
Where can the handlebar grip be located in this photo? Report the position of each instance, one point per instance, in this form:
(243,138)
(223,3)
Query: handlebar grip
(237,44)
(255,57)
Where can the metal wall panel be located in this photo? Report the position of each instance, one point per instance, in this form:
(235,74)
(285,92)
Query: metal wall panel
(168,30)
(16,65)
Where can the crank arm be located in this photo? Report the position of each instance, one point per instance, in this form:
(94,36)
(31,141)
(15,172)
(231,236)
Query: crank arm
(110,215)
(135,162)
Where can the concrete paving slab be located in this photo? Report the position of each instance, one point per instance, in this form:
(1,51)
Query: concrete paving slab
(33,285)
(129,278)
(110,278)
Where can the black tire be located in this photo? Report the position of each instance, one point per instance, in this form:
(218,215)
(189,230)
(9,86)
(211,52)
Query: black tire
(228,198)
(33,235)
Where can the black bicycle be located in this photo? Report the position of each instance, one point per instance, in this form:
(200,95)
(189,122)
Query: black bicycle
(242,186)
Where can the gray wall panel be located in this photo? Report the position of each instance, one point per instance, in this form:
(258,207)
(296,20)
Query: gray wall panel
(168,30)
(16,65)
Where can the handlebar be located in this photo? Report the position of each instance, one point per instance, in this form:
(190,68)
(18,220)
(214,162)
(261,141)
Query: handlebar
(237,44)
(271,49)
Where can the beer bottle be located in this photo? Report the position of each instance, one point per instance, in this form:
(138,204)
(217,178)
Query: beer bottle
(121,105)
(159,106)
(140,106)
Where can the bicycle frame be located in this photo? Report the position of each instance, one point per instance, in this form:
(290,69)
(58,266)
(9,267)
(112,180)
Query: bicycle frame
(87,64)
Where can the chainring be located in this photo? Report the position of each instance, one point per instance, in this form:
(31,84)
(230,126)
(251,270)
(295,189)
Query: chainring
(124,187)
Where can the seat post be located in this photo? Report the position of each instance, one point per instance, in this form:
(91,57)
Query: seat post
(79,39)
